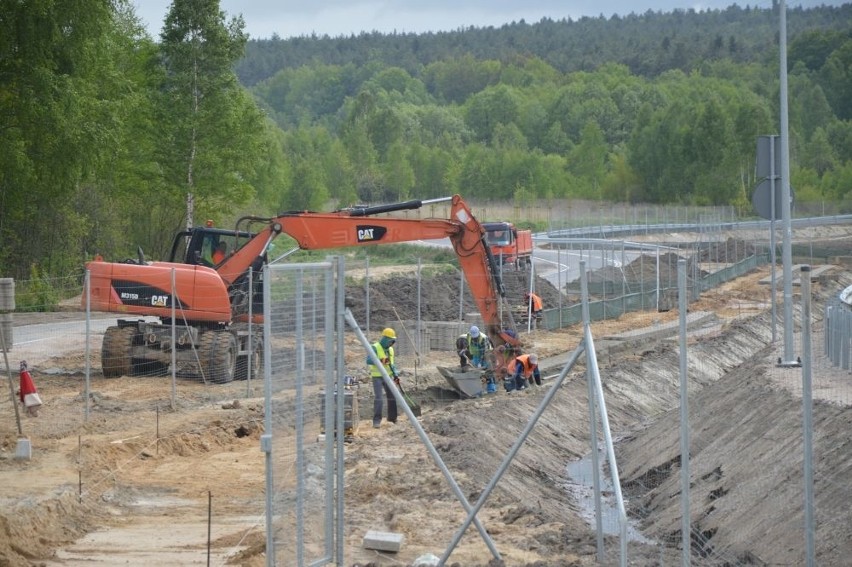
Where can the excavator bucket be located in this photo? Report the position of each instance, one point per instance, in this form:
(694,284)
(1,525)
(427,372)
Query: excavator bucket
(469,384)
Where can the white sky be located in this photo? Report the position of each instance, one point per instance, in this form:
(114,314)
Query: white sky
(344,17)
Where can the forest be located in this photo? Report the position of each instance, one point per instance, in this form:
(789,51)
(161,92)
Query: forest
(114,140)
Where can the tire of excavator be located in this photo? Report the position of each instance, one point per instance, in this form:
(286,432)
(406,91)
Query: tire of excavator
(116,359)
(218,353)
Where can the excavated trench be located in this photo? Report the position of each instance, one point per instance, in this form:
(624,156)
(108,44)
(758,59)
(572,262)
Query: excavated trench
(745,450)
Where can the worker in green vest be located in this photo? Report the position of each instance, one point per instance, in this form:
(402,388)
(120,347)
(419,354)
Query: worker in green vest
(384,352)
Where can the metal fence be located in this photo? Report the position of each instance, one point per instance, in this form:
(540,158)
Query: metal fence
(614,292)
(302,384)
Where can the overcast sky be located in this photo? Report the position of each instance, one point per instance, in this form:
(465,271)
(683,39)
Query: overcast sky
(343,17)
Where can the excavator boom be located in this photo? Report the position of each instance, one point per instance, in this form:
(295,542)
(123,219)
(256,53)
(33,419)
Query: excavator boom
(317,231)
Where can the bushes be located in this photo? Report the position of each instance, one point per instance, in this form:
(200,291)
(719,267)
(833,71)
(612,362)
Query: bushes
(39,293)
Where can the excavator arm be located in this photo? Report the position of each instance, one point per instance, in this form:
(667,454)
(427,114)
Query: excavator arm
(357,227)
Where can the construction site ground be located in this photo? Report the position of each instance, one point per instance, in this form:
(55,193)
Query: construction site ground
(154,496)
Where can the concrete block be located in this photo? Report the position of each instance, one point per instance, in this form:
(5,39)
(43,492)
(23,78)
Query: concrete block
(383,541)
(24,450)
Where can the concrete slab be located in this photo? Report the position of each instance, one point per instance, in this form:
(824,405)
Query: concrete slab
(614,343)
(693,319)
(816,272)
(24,449)
(383,541)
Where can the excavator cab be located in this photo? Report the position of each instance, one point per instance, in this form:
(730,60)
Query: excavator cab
(198,245)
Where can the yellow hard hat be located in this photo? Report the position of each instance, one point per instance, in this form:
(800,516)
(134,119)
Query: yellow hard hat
(389,333)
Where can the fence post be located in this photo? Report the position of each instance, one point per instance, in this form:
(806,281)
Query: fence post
(807,416)
(685,529)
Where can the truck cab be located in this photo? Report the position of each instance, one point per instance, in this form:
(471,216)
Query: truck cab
(508,245)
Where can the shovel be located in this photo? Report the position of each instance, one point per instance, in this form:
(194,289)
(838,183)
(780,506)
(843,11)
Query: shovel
(414,406)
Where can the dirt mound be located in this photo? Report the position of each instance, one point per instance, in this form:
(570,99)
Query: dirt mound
(730,251)
(439,296)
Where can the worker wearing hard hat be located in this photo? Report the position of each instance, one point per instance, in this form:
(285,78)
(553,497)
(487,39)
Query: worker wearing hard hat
(523,370)
(384,352)
(473,348)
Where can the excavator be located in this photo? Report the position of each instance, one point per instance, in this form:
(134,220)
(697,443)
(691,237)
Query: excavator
(213,299)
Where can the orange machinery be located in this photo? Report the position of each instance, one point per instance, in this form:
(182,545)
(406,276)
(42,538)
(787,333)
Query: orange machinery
(509,245)
(211,300)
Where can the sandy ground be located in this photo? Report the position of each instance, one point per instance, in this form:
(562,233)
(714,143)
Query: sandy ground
(135,483)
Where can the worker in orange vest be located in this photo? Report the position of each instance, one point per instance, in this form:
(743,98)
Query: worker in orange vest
(523,369)
(535,304)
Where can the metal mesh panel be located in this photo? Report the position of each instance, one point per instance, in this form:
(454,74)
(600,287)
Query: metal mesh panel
(299,346)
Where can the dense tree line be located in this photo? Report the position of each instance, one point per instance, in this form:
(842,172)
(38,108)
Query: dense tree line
(522,113)
(648,44)
(112,139)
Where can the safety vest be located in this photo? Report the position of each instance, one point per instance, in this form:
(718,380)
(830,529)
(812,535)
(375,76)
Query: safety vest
(478,346)
(527,366)
(380,352)
(536,302)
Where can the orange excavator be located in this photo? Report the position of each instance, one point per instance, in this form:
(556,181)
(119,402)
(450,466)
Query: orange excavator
(212,299)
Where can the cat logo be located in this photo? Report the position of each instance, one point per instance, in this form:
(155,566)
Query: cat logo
(160,300)
(369,233)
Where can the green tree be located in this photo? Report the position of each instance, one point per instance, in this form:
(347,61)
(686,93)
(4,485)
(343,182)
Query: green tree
(621,183)
(555,141)
(309,191)
(399,175)
(364,160)
(454,80)
(129,178)
(587,161)
(486,109)
(57,127)
(836,80)
(818,153)
(509,136)
(709,174)
(433,168)
(840,137)
(837,184)
(339,173)
(210,124)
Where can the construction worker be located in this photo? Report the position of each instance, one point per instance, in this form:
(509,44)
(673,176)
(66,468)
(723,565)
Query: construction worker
(523,369)
(384,351)
(473,347)
(534,304)
(220,253)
